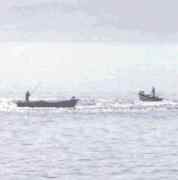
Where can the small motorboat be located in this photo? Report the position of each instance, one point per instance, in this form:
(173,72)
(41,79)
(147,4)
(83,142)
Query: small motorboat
(149,97)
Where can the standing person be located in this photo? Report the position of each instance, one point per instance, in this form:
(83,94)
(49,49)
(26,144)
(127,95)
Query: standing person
(27,95)
(153,91)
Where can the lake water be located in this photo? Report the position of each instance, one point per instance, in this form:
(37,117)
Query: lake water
(102,138)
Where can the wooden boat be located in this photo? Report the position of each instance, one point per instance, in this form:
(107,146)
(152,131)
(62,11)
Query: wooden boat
(48,104)
(148,97)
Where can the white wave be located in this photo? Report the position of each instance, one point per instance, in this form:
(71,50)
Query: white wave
(100,105)
(115,105)
(7,105)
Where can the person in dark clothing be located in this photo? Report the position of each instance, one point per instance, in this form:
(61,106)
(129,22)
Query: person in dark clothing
(153,91)
(73,97)
(27,95)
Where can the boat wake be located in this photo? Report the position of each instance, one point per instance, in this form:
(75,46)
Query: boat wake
(116,105)
(7,105)
(101,105)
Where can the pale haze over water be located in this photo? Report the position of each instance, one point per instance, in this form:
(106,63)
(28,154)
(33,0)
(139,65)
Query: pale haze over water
(88,68)
(110,134)
(103,52)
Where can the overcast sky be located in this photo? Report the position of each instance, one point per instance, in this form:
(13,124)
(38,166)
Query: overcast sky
(96,20)
(123,64)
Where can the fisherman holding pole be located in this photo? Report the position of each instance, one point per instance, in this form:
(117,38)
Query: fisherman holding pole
(27,95)
(153,91)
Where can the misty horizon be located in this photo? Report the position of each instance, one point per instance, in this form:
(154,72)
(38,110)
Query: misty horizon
(88,68)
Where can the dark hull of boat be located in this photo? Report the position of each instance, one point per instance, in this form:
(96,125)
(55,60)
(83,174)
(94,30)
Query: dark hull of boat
(149,98)
(48,104)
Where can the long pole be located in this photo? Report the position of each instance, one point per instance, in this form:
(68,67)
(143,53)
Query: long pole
(35,88)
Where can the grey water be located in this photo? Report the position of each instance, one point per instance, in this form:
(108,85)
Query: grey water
(102,138)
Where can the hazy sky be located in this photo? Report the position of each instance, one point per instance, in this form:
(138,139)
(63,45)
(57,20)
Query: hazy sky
(88,67)
(115,20)
(124,45)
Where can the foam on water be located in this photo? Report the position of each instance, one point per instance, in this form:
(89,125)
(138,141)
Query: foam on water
(7,105)
(114,105)
(100,105)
